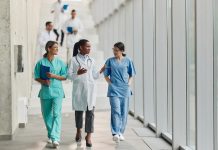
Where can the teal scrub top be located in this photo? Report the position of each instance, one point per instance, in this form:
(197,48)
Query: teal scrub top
(119,73)
(55,89)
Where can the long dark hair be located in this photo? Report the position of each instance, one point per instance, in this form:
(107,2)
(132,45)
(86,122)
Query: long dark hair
(121,47)
(48,45)
(77,45)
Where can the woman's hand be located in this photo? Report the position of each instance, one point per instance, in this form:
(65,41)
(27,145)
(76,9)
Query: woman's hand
(130,81)
(108,80)
(75,31)
(50,75)
(102,69)
(45,82)
(54,76)
(81,71)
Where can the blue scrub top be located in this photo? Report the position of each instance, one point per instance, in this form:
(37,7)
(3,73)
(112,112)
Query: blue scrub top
(55,89)
(119,73)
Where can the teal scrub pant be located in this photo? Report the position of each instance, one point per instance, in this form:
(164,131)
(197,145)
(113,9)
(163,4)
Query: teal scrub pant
(51,112)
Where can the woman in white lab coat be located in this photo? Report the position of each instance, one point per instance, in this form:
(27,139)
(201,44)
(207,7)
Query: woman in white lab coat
(83,74)
(72,36)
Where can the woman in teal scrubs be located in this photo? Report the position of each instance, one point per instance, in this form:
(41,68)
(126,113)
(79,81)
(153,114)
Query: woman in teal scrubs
(119,71)
(51,93)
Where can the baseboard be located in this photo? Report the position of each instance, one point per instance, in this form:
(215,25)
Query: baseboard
(9,137)
(6,137)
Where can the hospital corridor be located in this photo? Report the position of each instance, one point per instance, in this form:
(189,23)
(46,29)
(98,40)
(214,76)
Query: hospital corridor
(155,59)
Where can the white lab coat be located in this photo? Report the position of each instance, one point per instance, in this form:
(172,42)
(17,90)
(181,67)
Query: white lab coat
(44,37)
(59,16)
(73,38)
(84,86)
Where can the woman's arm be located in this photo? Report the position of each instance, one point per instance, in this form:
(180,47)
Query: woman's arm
(74,73)
(54,76)
(130,80)
(108,80)
(96,73)
(44,82)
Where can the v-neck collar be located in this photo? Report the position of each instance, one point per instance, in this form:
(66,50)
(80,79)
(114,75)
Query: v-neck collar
(119,61)
(51,62)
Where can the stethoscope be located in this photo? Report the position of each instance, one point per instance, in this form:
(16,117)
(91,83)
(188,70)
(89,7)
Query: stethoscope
(89,62)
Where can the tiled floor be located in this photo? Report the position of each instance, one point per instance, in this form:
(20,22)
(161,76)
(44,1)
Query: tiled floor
(33,137)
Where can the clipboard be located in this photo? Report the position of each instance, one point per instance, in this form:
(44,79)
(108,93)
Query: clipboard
(43,71)
(70,29)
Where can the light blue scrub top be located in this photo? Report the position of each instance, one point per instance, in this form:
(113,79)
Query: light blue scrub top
(119,73)
(55,89)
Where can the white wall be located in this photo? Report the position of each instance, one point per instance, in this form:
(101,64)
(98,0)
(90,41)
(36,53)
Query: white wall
(22,28)
(5,72)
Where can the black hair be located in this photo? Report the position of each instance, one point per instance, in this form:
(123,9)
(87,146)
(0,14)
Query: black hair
(77,45)
(121,47)
(73,10)
(48,23)
(48,45)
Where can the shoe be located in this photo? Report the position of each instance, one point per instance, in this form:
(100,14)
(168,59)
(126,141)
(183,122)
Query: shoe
(121,137)
(116,138)
(49,141)
(88,144)
(78,140)
(55,144)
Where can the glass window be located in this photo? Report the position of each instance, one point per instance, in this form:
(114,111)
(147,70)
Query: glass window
(191,73)
(216,70)
(169,68)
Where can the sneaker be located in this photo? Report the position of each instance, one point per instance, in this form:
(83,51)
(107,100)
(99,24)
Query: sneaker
(49,141)
(116,138)
(121,137)
(55,144)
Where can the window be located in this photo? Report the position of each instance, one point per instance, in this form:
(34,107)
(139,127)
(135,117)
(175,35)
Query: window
(169,68)
(191,73)
(216,71)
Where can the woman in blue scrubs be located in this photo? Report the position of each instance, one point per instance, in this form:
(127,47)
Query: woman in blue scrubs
(119,71)
(51,93)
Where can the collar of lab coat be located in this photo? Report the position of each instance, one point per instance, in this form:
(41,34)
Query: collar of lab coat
(83,57)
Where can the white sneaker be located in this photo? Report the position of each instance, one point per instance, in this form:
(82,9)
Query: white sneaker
(116,138)
(55,144)
(121,137)
(49,141)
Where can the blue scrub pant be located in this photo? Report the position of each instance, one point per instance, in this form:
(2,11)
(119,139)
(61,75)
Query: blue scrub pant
(119,114)
(51,112)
